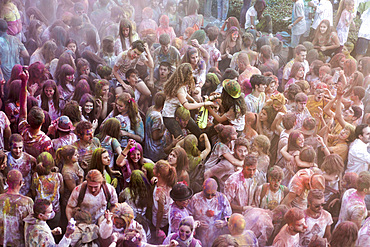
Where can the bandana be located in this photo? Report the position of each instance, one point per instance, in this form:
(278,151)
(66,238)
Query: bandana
(212,77)
(125,212)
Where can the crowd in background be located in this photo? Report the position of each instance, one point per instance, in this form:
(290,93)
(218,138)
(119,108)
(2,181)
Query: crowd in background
(154,123)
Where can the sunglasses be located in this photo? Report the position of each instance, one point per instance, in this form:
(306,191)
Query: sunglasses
(209,195)
(319,205)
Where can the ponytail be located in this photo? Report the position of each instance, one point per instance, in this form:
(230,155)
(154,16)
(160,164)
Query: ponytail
(41,170)
(172,176)
(166,172)
(64,154)
(45,163)
(133,112)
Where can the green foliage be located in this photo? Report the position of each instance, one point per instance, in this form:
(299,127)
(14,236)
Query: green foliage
(353,32)
(277,9)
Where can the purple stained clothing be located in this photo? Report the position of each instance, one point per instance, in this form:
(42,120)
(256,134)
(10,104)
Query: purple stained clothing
(69,139)
(13,208)
(209,210)
(25,164)
(34,144)
(176,215)
(239,190)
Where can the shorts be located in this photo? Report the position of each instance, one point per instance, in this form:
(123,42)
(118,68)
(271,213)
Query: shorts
(361,46)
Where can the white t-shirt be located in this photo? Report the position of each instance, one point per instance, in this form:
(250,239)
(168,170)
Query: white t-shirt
(315,227)
(95,205)
(170,105)
(364,31)
(251,12)
(324,11)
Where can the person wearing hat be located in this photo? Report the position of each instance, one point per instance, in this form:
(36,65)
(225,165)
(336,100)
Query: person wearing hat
(210,84)
(257,98)
(14,207)
(301,183)
(11,50)
(63,128)
(180,195)
(233,105)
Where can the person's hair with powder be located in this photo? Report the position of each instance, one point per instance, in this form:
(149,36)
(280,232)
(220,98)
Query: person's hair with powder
(344,235)
(363,181)
(333,164)
(293,215)
(166,172)
(95,176)
(307,154)
(225,241)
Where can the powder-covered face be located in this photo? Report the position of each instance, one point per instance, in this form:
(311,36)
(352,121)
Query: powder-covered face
(88,136)
(49,92)
(72,47)
(135,156)
(85,70)
(241,152)
(135,53)
(234,36)
(274,183)
(70,78)
(184,232)
(17,149)
(300,226)
(89,106)
(209,188)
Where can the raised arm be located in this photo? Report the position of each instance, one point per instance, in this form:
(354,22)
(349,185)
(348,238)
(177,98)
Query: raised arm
(208,148)
(327,108)
(23,97)
(338,110)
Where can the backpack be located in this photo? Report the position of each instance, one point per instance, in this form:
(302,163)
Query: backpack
(196,178)
(89,237)
(82,193)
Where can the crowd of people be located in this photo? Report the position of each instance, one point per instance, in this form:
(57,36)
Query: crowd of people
(147,123)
